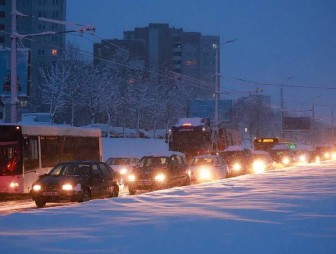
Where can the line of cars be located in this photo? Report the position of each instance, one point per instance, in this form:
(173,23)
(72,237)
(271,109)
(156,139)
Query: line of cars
(84,180)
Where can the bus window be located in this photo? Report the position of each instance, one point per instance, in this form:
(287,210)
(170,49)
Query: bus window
(10,158)
(30,155)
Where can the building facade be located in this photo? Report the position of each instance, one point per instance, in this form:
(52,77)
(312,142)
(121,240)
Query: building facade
(188,55)
(43,49)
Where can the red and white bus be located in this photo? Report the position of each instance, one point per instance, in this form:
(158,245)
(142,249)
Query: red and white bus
(27,151)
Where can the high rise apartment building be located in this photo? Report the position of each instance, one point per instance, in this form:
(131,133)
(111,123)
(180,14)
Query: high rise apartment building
(168,49)
(45,48)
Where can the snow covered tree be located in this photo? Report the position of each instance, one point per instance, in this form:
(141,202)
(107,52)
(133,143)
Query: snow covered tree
(54,85)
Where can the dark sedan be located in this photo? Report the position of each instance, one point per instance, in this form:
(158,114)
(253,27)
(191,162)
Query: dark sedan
(159,172)
(75,181)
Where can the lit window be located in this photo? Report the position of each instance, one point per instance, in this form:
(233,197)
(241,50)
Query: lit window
(54,52)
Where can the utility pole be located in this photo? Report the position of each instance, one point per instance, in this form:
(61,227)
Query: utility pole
(215,137)
(14,99)
(314,129)
(282,111)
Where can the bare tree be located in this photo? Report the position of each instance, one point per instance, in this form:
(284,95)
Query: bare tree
(54,86)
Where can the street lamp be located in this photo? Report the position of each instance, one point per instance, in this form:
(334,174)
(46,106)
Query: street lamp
(215,133)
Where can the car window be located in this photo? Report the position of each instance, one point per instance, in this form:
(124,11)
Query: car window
(173,161)
(95,170)
(201,161)
(56,170)
(105,170)
(153,161)
(179,160)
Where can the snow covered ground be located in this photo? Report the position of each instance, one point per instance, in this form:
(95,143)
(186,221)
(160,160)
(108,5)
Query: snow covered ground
(292,210)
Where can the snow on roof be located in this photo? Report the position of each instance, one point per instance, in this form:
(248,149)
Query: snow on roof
(260,152)
(164,153)
(56,129)
(236,148)
(303,147)
(194,121)
(280,147)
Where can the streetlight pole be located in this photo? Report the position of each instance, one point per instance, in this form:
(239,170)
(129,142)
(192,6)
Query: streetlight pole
(215,133)
(14,99)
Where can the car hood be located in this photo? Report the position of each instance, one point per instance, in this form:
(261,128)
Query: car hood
(150,171)
(49,180)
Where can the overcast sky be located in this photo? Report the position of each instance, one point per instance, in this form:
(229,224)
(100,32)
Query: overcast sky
(279,42)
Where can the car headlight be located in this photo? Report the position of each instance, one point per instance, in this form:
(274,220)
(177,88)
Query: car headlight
(131,178)
(67,187)
(13,185)
(285,160)
(237,167)
(204,173)
(258,167)
(123,171)
(326,155)
(333,156)
(37,187)
(160,177)
(302,158)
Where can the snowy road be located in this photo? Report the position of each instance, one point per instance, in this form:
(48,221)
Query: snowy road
(292,211)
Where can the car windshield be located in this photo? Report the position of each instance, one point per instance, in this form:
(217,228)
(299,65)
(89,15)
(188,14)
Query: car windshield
(70,169)
(201,161)
(119,161)
(154,161)
(233,156)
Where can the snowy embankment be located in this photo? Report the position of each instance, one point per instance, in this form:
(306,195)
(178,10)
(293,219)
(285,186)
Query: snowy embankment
(290,211)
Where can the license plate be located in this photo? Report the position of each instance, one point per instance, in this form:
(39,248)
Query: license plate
(50,193)
(146,182)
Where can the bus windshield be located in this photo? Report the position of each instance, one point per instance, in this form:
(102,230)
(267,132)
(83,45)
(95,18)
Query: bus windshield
(9,158)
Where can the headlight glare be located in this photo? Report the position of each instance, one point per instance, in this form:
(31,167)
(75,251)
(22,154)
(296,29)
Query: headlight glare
(13,185)
(123,171)
(67,187)
(258,167)
(160,177)
(37,187)
(285,160)
(236,167)
(131,178)
(205,174)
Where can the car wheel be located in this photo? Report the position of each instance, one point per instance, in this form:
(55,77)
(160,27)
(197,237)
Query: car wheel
(187,181)
(115,192)
(131,191)
(85,196)
(40,203)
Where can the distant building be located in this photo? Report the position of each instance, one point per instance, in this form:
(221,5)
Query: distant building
(166,50)
(206,109)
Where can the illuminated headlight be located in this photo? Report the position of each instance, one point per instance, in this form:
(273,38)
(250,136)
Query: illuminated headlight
(13,185)
(67,187)
(326,155)
(258,167)
(37,187)
(333,156)
(205,174)
(285,161)
(123,171)
(237,167)
(131,178)
(160,177)
(302,158)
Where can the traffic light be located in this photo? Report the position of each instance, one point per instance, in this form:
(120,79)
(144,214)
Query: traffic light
(291,146)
